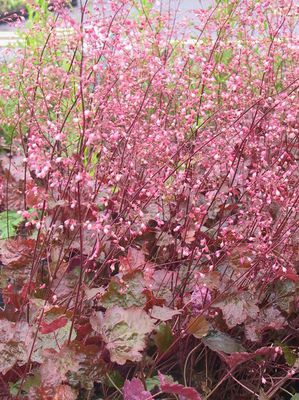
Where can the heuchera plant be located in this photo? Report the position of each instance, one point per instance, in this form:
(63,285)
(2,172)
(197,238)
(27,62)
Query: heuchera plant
(149,203)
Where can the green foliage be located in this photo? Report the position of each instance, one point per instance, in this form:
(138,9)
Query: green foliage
(143,6)
(29,382)
(114,379)
(289,355)
(163,338)
(218,341)
(153,382)
(9,221)
(224,57)
(38,15)
(7,132)
(11,5)
(146,4)
(9,105)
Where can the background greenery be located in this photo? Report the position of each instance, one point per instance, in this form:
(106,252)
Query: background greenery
(10,5)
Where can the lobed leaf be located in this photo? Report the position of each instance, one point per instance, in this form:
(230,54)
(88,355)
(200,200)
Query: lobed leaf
(163,313)
(218,341)
(237,308)
(169,386)
(124,332)
(134,390)
(198,327)
(9,221)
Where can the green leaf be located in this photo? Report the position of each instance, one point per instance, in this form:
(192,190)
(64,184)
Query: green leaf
(143,6)
(114,189)
(226,56)
(218,341)
(9,220)
(115,379)
(163,338)
(29,382)
(151,383)
(289,355)
(7,132)
(295,396)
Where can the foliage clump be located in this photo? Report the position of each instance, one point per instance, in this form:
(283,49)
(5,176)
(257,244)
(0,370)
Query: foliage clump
(10,5)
